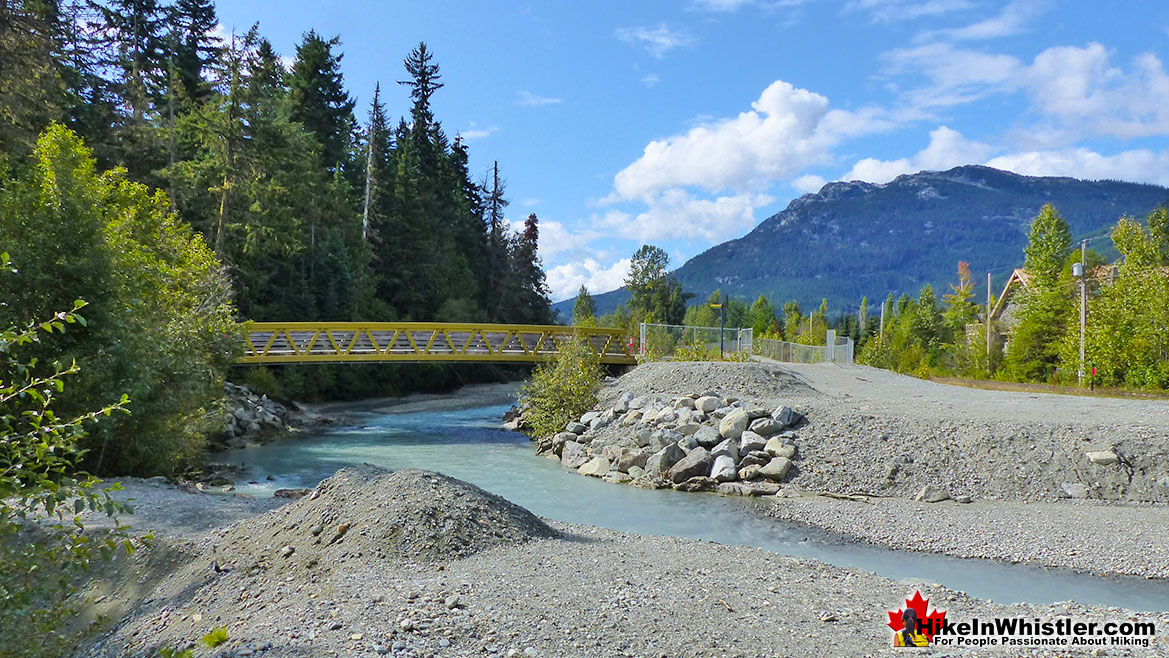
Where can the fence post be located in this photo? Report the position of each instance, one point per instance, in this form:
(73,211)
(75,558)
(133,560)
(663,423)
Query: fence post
(830,346)
(642,346)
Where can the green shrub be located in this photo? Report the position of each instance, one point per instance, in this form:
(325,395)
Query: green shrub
(216,637)
(42,548)
(161,326)
(563,389)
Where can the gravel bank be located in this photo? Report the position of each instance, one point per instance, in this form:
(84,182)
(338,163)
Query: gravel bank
(1031,463)
(1091,537)
(580,592)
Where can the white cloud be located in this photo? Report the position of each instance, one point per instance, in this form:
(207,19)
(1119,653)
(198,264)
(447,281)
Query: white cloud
(556,239)
(954,76)
(475,133)
(1010,21)
(894,10)
(651,80)
(1139,165)
(947,149)
(528,99)
(1080,88)
(676,214)
(565,280)
(657,41)
(787,130)
(721,5)
(808,183)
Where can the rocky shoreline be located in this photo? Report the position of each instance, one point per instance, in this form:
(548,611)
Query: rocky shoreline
(836,451)
(440,568)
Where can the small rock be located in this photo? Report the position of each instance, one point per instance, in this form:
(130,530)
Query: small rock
(287,551)
(1103,457)
(453,601)
(442,642)
(786,417)
(931,494)
(1075,489)
(963,498)
(406,624)
(380,650)
(317,530)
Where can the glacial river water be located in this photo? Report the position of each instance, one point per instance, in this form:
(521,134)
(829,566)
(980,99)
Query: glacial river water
(469,444)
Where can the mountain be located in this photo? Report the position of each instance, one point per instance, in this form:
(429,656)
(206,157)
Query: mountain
(861,239)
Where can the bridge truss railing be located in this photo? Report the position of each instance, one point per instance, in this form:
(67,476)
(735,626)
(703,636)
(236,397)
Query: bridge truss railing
(338,342)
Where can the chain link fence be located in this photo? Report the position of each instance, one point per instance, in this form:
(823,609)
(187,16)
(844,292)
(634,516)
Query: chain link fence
(660,341)
(837,350)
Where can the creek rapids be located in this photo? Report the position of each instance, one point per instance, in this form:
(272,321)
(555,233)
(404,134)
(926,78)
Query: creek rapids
(462,436)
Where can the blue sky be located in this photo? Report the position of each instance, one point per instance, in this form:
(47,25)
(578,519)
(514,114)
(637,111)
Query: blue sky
(686,124)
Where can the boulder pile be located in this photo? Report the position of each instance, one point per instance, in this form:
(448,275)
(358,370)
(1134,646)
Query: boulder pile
(250,417)
(697,442)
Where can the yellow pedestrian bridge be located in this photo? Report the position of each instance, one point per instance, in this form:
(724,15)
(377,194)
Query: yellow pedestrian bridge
(351,342)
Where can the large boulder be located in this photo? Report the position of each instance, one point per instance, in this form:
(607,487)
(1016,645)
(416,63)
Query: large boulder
(707,437)
(660,462)
(695,464)
(777,448)
(750,472)
(757,457)
(639,402)
(730,448)
(776,469)
(596,467)
(787,417)
(734,424)
(747,489)
(575,428)
(765,427)
(700,483)
(688,443)
(588,417)
(750,441)
(573,455)
(686,429)
(684,403)
(723,469)
(629,458)
(707,403)
(622,403)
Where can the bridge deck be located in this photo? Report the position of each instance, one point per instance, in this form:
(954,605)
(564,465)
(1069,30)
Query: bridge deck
(340,342)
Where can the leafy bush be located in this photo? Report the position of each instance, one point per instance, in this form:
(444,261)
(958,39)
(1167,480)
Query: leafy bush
(563,389)
(216,637)
(41,557)
(161,326)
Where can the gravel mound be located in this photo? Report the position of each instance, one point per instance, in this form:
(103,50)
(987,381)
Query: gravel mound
(408,515)
(763,381)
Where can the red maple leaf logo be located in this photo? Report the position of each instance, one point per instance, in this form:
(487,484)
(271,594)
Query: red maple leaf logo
(931,620)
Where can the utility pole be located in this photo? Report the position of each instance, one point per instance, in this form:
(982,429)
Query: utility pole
(883,320)
(987,323)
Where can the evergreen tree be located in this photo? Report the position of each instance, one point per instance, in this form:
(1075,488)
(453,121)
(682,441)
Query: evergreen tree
(584,309)
(1045,307)
(319,100)
(762,316)
(194,45)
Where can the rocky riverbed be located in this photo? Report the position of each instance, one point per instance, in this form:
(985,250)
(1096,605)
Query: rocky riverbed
(416,564)
(1019,477)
